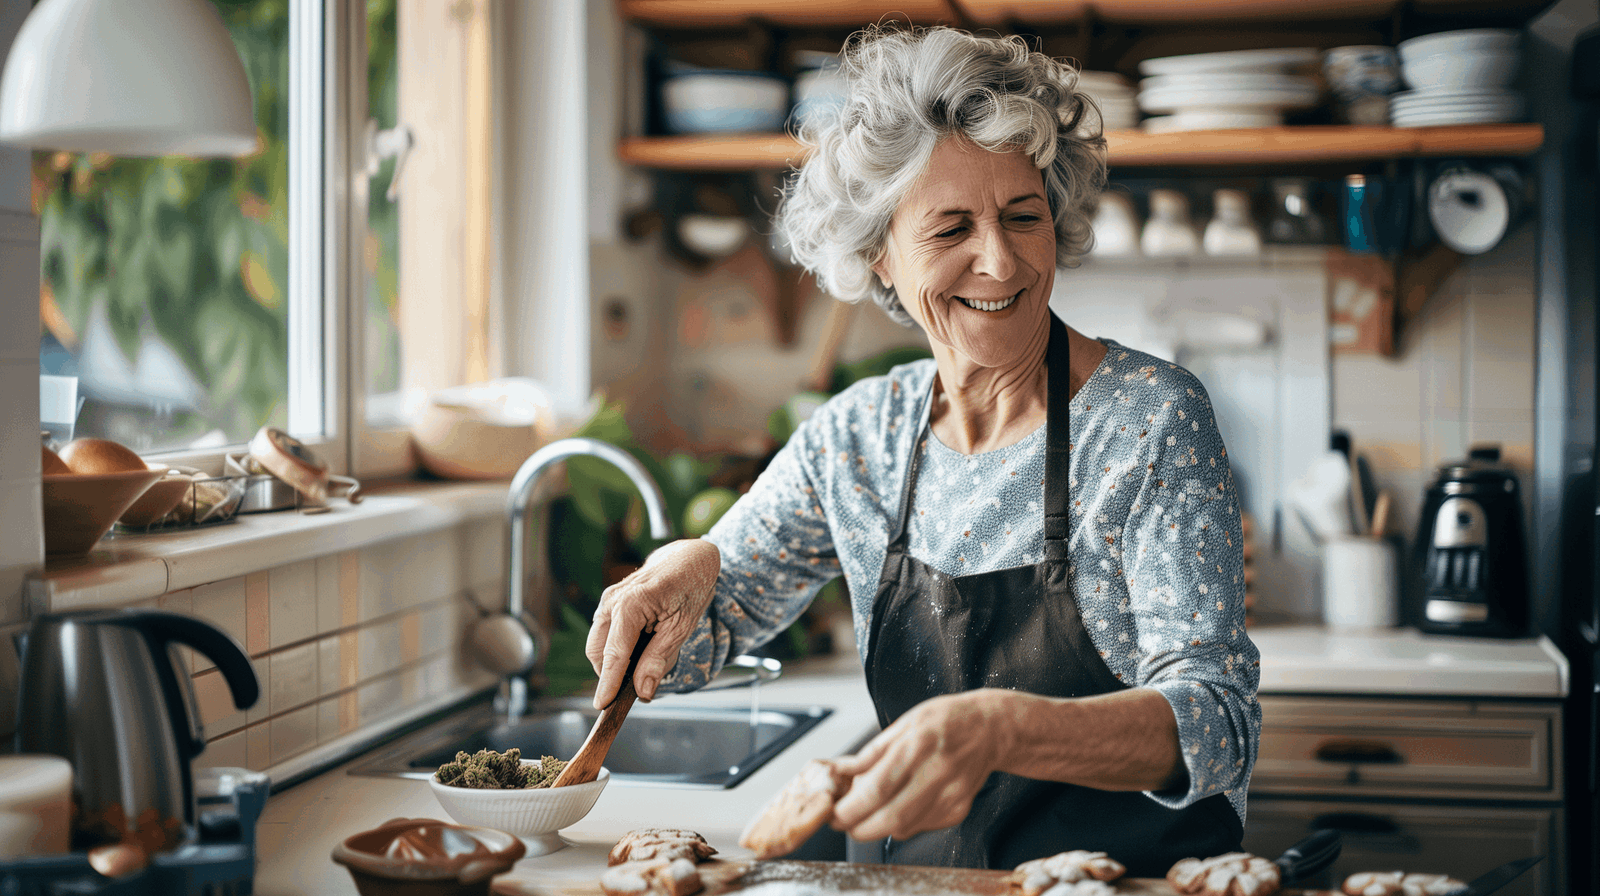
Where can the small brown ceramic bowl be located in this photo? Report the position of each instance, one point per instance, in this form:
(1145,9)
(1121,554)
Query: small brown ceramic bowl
(79,508)
(427,857)
(157,501)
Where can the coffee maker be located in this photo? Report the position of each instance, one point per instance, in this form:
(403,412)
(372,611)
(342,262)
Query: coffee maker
(1469,563)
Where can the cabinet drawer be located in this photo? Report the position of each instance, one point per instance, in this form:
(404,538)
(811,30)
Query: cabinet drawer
(1462,841)
(1457,749)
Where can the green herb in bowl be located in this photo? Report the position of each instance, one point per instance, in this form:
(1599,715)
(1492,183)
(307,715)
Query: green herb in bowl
(491,770)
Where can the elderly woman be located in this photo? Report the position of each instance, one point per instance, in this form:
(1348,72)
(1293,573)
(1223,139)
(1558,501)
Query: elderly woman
(1039,530)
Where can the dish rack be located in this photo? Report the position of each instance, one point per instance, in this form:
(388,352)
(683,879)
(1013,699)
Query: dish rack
(207,501)
(221,861)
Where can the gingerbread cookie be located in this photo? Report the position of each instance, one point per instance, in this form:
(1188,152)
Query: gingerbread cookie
(799,810)
(1399,883)
(651,877)
(660,843)
(1041,876)
(1232,874)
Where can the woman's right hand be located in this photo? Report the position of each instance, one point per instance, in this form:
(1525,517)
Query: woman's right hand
(669,595)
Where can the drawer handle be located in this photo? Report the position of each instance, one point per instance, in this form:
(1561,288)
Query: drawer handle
(1367,752)
(1354,823)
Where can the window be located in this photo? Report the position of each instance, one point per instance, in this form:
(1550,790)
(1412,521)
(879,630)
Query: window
(165,283)
(197,300)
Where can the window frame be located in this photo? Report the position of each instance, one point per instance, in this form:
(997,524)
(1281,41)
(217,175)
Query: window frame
(319,158)
(327,326)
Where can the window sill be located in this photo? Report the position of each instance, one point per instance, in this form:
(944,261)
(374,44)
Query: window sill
(128,568)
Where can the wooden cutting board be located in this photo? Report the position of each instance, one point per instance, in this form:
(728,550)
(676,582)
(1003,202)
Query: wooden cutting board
(791,878)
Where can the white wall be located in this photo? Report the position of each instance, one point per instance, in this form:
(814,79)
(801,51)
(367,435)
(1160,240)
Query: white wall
(545,246)
(22,548)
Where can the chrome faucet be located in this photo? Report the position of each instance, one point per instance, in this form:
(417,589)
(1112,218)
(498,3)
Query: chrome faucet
(515,689)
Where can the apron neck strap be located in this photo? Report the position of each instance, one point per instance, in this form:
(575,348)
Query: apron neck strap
(1058,433)
(1058,444)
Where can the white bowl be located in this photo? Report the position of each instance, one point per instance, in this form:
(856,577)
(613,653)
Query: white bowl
(1461,70)
(534,814)
(1470,40)
(724,102)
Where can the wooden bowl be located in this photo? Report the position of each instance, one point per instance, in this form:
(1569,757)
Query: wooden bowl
(431,858)
(458,442)
(157,500)
(79,509)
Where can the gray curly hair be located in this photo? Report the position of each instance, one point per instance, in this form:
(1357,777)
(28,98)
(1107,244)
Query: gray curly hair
(904,91)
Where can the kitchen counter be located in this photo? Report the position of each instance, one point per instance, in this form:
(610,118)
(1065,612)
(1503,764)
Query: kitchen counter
(302,825)
(1309,659)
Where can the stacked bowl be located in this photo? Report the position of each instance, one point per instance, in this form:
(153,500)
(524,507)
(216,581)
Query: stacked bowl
(1114,97)
(1458,77)
(1234,89)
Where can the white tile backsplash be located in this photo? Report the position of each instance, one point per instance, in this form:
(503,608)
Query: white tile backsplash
(19,263)
(294,677)
(227,750)
(293,603)
(329,595)
(217,711)
(19,414)
(258,747)
(378,699)
(329,664)
(22,548)
(379,648)
(483,551)
(293,733)
(223,604)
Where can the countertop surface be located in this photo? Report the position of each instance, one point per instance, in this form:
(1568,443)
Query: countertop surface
(1310,659)
(302,824)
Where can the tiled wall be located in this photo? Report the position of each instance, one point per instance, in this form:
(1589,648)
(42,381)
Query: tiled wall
(344,641)
(1465,375)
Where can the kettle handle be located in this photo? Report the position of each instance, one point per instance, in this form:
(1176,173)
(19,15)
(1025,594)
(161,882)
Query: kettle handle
(163,628)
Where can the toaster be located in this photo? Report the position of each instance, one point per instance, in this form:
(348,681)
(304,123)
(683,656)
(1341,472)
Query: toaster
(1470,563)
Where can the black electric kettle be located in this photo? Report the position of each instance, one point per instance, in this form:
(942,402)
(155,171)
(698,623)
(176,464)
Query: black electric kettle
(102,689)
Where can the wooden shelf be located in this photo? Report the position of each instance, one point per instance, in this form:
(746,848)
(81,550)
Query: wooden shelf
(1310,144)
(857,13)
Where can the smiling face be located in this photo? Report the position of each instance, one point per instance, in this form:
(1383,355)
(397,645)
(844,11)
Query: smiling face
(971,252)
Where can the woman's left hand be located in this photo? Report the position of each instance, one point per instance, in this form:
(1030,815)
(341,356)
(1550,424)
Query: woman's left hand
(922,772)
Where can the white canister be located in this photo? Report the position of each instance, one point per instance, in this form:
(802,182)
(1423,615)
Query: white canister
(1360,584)
(35,805)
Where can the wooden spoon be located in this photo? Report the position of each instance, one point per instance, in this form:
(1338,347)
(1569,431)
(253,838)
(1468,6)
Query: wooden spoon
(585,766)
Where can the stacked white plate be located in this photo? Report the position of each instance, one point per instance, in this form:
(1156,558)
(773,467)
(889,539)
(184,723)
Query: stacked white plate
(1430,108)
(1461,77)
(1115,97)
(1235,89)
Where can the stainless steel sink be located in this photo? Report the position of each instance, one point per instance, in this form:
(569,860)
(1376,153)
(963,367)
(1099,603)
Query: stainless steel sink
(658,744)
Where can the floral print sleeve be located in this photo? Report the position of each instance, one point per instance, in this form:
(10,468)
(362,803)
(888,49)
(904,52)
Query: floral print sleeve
(777,553)
(1182,556)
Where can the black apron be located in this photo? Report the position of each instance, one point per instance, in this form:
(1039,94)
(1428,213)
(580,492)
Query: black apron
(1019,628)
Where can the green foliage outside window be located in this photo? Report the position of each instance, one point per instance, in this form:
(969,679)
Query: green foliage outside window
(194,252)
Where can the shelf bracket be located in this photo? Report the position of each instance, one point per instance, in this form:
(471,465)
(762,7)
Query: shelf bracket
(1375,299)
(1418,274)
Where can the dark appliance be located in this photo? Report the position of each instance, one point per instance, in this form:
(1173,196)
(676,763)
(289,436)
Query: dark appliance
(1472,566)
(101,688)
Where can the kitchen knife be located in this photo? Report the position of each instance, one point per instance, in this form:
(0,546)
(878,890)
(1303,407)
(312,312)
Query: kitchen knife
(1309,856)
(1497,878)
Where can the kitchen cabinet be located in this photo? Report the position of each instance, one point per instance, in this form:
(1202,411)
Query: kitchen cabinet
(1449,786)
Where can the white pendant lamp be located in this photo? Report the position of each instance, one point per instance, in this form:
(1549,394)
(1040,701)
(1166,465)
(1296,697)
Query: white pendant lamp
(127,77)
